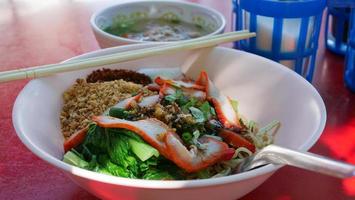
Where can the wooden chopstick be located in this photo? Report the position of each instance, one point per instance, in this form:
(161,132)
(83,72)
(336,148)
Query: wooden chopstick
(51,69)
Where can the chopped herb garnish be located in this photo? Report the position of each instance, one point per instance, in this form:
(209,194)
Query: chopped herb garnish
(187,137)
(197,114)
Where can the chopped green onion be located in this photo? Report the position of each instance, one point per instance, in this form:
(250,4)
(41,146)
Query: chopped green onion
(192,101)
(206,110)
(187,137)
(118,113)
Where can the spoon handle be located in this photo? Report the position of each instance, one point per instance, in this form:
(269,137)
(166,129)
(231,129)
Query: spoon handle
(280,155)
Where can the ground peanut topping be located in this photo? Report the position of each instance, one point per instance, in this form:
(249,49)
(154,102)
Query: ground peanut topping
(84,100)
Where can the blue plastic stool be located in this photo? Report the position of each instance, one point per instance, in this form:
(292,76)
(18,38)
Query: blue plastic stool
(349,75)
(287,31)
(336,30)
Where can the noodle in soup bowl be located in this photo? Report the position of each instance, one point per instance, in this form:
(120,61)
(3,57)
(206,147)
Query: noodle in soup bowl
(154,21)
(265,90)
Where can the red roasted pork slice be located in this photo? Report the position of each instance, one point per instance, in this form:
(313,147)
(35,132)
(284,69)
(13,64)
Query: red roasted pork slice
(221,103)
(168,89)
(169,144)
(127,103)
(195,159)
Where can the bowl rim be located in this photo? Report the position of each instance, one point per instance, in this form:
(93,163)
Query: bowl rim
(98,30)
(158,184)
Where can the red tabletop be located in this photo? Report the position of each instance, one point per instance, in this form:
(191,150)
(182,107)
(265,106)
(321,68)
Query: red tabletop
(39,32)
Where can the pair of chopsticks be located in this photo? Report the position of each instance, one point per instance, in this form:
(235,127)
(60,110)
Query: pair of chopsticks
(51,69)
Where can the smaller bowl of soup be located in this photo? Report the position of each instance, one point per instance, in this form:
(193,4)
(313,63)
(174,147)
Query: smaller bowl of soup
(154,21)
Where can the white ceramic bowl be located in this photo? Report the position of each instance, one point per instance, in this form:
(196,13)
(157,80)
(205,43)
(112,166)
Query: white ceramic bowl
(265,89)
(188,12)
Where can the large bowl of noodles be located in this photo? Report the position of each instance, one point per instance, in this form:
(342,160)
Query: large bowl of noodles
(265,91)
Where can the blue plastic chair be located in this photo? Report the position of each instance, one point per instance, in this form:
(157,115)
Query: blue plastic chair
(349,75)
(336,29)
(280,17)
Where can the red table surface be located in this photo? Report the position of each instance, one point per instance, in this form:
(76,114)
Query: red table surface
(39,32)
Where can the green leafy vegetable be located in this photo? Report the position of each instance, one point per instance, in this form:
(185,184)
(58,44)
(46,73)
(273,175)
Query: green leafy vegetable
(95,142)
(72,158)
(127,133)
(144,166)
(142,150)
(108,167)
(155,174)
(138,146)
(119,152)
(160,169)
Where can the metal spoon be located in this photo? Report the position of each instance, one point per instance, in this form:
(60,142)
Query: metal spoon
(279,155)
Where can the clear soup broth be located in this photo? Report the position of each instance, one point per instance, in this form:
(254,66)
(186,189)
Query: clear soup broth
(157,30)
